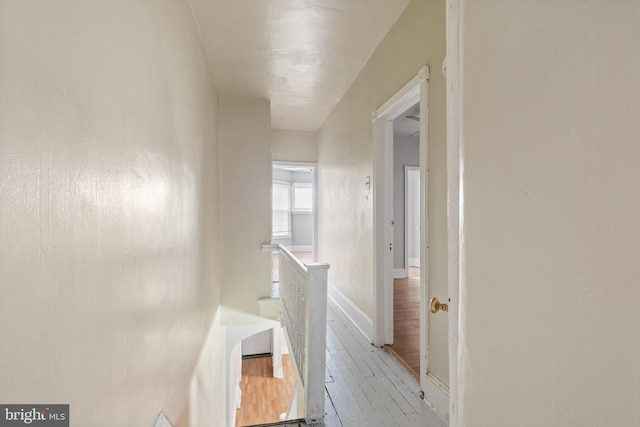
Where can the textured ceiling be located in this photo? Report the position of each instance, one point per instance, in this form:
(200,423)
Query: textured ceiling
(300,54)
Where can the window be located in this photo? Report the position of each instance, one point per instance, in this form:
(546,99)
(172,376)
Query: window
(281,206)
(302,197)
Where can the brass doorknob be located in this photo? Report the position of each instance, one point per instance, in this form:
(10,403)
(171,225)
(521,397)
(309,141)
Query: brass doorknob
(437,305)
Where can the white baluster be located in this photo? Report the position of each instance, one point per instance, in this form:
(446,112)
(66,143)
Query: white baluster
(303,308)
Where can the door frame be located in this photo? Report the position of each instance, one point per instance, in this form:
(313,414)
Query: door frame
(314,210)
(416,90)
(455,208)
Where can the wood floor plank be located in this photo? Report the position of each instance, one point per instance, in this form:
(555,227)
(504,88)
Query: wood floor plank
(264,398)
(406,327)
(365,385)
(379,391)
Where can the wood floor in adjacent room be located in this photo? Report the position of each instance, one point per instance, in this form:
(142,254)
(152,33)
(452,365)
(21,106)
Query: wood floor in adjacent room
(406,325)
(264,398)
(306,257)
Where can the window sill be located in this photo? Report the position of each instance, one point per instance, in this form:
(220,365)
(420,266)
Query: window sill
(281,236)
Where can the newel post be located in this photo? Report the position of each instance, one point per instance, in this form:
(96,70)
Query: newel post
(316,344)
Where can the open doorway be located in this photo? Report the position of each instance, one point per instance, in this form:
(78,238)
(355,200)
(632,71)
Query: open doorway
(433,325)
(294,202)
(406,240)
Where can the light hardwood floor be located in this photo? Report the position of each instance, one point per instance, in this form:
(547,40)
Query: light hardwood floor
(305,257)
(264,398)
(406,325)
(365,385)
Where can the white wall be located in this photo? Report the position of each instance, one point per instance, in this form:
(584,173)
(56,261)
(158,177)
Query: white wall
(294,145)
(413,217)
(302,226)
(245,201)
(550,106)
(235,377)
(345,153)
(209,382)
(107,272)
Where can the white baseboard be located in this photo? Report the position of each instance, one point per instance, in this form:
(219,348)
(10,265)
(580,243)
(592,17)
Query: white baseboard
(352,311)
(437,395)
(400,273)
(300,248)
(414,262)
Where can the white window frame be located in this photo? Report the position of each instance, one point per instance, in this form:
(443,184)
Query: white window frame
(288,233)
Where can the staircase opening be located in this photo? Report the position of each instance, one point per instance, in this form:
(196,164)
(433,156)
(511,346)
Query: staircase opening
(265,391)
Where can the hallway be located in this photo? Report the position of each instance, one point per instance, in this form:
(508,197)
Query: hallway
(365,385)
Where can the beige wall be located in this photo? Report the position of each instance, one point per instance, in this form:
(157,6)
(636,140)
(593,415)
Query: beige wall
(294,145)
(245,201)
(108,280)
(550,130)
(208,397)
(345,155)
(244,222)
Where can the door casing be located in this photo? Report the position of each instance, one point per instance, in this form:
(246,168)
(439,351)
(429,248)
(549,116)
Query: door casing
(416,90)
(455,207)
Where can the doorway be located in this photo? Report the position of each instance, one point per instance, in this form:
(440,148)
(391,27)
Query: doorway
(294,207)
(406,240)
(415,91)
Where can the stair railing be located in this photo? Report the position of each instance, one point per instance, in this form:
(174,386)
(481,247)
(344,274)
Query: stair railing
(303,314)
